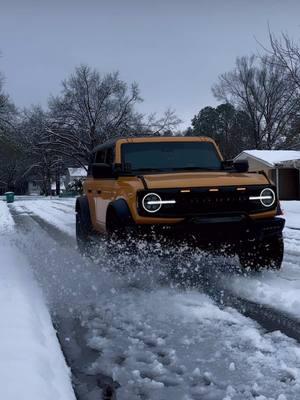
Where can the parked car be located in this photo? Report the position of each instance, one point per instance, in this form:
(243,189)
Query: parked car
(182,188)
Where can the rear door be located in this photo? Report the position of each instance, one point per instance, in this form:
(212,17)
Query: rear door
(104,190)
(92,186)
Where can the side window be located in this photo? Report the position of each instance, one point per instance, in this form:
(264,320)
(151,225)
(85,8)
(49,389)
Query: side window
(109,156)
(100,157)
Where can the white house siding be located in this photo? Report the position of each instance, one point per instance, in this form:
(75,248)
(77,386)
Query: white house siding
(34,188)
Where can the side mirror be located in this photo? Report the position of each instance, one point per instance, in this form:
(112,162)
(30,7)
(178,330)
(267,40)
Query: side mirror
(241,166)
(101,170)
(227,164)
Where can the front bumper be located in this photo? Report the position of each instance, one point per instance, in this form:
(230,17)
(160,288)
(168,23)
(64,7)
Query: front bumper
(234,228)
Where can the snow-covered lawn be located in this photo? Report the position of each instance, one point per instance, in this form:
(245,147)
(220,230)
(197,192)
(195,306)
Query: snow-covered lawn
(291,210)
(279,289)
(32,366)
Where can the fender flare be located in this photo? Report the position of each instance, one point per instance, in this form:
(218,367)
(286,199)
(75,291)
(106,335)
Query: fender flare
(122,210)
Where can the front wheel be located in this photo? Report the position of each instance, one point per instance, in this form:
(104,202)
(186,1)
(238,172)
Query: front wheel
(83,230)
(267,253)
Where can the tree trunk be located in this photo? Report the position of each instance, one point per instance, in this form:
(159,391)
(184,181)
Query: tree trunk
(57,181)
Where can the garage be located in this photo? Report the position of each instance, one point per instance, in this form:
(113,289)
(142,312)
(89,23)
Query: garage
(281,166)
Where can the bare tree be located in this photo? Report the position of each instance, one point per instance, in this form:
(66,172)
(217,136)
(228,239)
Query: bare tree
(286,54)
(8,111)
(40,159)
(8,166)
(90,109)
(263,90)
(93,108)
(8,149)
(160,126)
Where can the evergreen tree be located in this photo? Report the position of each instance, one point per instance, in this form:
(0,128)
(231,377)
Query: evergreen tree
(229,127)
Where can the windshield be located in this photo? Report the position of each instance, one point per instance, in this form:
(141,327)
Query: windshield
(170,156)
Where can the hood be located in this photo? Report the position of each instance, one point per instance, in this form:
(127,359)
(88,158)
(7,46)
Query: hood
(204,179)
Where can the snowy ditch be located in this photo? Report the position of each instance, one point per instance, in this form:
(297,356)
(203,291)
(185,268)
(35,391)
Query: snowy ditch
(142,337)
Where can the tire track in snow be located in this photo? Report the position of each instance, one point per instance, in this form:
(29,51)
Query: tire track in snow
(70,332)
(63,204)
(268,317)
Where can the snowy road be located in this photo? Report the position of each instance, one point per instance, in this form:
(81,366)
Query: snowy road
(144,338)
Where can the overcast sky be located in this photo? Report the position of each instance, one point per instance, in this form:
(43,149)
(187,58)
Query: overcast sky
(174,49)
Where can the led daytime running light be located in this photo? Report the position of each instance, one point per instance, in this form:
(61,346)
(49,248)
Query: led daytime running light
(154,200)
(265,194)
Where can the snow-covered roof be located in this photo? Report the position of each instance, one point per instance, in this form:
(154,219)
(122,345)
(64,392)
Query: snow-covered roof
(271,157)
(77,172)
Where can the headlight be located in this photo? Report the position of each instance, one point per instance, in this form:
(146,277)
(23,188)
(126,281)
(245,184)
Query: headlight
(152,202)
(267,197)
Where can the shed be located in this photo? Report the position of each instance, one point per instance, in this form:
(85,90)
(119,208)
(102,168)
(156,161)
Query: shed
(281,166)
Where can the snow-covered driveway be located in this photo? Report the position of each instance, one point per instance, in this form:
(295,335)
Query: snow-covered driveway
(151,340)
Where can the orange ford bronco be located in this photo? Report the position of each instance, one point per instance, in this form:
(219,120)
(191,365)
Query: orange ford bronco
(182,187)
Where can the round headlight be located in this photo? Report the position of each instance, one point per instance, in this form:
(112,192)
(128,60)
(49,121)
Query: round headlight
(152,202)
(267,197)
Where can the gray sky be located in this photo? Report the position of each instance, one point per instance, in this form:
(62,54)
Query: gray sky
(174,49)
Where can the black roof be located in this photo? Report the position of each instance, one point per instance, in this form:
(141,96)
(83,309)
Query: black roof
(112,142)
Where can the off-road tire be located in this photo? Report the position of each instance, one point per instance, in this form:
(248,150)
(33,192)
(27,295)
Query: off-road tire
(258,255)
(84,228)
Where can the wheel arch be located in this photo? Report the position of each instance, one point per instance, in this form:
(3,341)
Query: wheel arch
(121,210)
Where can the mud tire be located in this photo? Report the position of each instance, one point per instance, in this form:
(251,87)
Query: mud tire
(84,228)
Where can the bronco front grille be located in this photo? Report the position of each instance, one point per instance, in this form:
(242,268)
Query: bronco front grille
(198,201)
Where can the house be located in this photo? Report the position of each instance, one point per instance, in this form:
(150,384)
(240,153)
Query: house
(281,166)
(34,187)
(53,187)
(73,174)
